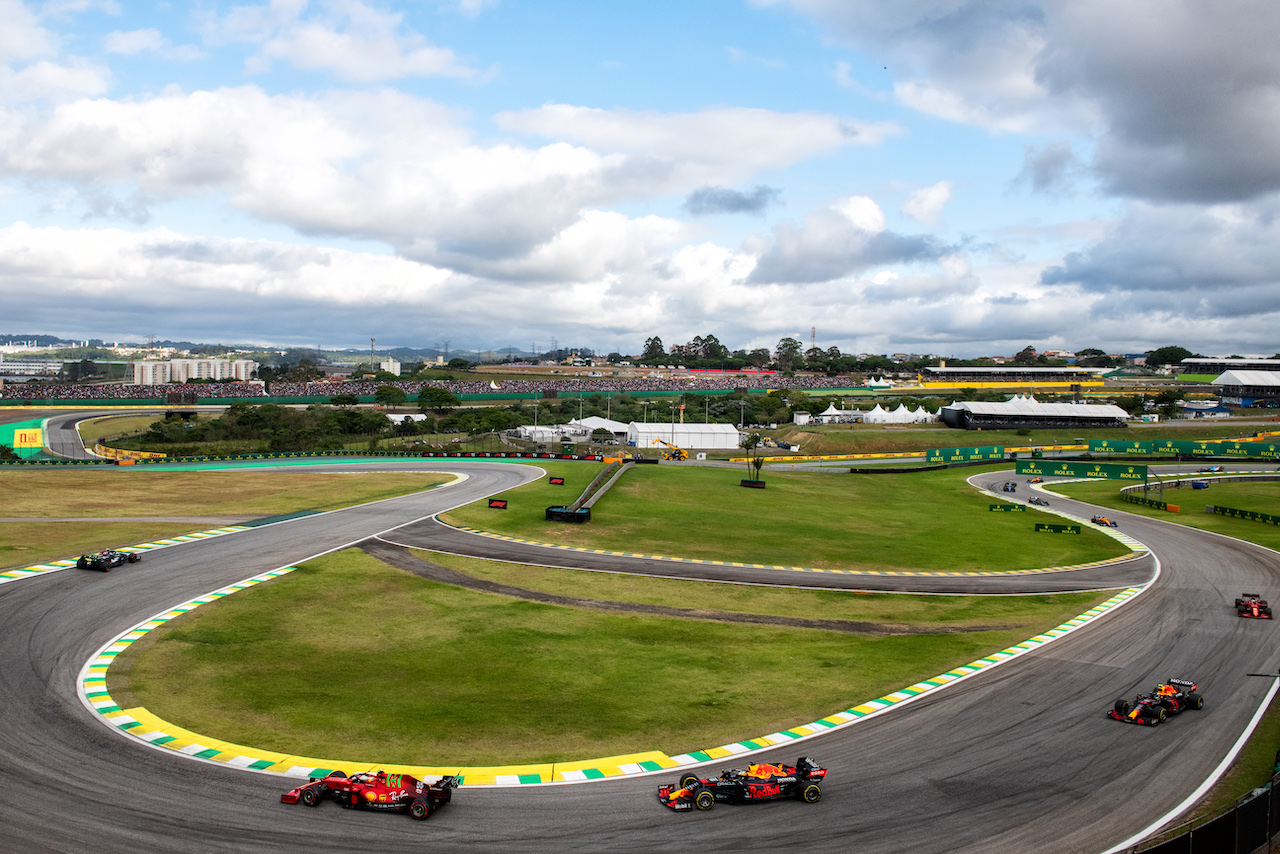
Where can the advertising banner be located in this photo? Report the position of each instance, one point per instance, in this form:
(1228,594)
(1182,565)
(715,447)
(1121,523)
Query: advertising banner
(1121,446)
(1055,468)
(936,456)
(1050,528)
(1008,508)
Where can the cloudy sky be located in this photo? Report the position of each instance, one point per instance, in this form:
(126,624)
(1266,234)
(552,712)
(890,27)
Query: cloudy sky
(957,177)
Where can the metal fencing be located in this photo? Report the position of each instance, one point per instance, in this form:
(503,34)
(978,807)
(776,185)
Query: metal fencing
(1251,826)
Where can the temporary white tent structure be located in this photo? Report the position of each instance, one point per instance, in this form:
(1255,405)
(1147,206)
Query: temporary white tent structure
(700,436)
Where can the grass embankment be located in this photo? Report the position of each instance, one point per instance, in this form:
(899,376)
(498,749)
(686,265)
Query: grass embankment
(81,493)
(348,658)
(923,521)
(111,426)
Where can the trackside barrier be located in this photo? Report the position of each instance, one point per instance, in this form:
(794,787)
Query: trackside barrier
(314,455)
(1248,515)
(580,510)
(1252,823)
(1150,502)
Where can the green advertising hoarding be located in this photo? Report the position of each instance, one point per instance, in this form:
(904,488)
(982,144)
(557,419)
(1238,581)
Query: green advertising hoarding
(1117,446)
(963,455)
(1055,468)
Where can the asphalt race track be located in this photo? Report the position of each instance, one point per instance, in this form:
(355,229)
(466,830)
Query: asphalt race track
(1017,758)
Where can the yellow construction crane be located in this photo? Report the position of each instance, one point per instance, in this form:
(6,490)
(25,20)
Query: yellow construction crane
(673,453)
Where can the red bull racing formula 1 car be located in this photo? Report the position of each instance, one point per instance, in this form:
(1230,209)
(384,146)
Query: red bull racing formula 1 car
(380,791)
(757,783)
(1170,698)
(1253,605)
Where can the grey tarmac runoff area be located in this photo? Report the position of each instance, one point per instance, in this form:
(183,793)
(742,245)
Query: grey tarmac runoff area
(1017,758)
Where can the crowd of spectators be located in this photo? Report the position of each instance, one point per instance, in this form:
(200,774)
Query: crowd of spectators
(325,390)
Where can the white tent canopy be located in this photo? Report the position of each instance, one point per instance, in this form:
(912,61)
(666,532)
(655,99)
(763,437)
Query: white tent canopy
(700,436)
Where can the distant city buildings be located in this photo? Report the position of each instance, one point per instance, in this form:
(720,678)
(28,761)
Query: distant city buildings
(186,370)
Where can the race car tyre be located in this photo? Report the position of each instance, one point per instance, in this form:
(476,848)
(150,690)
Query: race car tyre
(705,800)
(688,780)
(134,558)
(1160,715)
(812,793)
(1195,701)
(1240,605)
(419,809)
(1122,707)
(82,564)
(309,797)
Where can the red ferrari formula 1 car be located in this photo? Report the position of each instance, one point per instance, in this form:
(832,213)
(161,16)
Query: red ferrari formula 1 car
(757,783)
(380,791)
(1253,605)
(1170,698)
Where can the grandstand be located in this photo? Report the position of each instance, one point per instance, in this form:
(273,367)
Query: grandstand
(1010,376)
(1029,413)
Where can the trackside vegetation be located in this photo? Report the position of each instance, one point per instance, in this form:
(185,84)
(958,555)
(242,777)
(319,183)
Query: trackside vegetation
(348,658)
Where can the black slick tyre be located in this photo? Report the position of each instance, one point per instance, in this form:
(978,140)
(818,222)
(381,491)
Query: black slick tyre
(1122,707)
(705,800)
(1195,701)
(688,780)
(420,809)
(309,797)
(811,793)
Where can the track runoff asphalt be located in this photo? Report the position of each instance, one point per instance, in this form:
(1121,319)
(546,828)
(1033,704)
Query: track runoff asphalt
(1017,758)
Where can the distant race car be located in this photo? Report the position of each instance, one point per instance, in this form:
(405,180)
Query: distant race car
(1010,486)
(1036,480)
(105,560)
(757,783)
(380,791)
(1211,469)
(1103,521)
(1038,501)
(1253,605)
(1169,698)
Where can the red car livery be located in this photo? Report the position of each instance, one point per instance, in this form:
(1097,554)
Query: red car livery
(1254,606)
(758,783)
(380,791)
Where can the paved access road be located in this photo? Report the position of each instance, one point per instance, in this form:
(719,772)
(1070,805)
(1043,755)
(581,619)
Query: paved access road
(1018,758)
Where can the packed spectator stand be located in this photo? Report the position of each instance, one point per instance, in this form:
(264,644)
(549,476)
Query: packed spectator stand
(325,390)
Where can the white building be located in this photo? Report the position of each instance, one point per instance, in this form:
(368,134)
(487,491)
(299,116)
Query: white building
(391,366)
(184,370)
(699,436)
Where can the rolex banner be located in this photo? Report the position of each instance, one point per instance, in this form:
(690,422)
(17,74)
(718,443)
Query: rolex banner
(1055,468)
(936,456)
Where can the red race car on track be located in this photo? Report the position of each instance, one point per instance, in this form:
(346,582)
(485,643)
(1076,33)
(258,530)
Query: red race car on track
(757,783)
(1170,698)
(1253,605)
(380,791)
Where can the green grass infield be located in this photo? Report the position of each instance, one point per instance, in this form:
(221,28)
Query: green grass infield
(883,522)
(348,657)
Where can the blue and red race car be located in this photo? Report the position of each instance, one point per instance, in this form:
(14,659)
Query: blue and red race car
(380,791)
(758,783)
(1169,698)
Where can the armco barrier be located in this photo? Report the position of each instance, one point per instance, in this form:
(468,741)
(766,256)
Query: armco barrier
(1252,823)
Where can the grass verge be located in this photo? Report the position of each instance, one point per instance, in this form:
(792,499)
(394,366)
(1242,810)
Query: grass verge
(79,492)
(349,658)
(923,521)
(30,543)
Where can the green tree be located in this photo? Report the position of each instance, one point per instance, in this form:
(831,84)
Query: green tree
(1167,356)
(344,400)
(788,354)
(458,364)
(653,350)
(390,396)
(1025,356)
(436,399)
